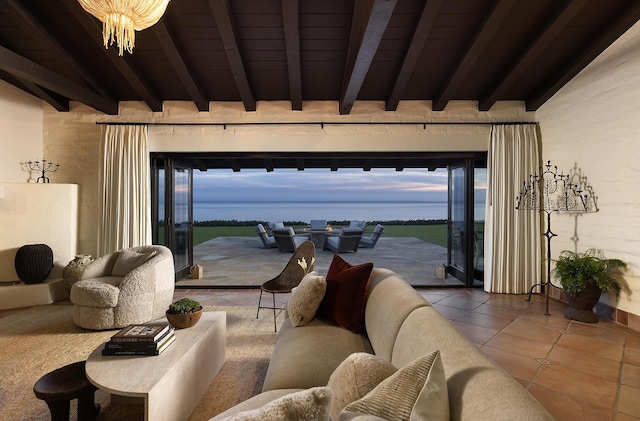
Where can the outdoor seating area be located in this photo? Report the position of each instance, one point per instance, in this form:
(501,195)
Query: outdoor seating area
(323,235)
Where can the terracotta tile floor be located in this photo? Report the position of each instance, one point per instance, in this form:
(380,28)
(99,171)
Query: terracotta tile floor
(578,371)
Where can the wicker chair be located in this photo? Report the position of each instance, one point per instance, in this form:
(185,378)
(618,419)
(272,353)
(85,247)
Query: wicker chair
(289,278)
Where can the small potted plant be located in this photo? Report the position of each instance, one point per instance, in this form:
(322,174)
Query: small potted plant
(584,277)
(184,313)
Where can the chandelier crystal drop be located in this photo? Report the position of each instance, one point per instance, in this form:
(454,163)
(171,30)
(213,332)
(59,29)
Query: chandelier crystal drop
(121,18)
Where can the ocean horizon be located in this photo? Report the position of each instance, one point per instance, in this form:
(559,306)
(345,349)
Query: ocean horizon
(334,211)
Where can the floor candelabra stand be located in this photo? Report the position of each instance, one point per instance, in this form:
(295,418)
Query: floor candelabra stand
(551,192)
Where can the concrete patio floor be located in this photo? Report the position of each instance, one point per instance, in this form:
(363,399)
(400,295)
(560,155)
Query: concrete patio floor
(232,262)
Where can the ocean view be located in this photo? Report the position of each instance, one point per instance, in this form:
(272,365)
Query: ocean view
(305,211)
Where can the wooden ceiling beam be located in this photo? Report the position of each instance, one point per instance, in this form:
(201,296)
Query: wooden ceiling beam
(58,102)
(226,27)
(32,26)
(606,37)
(168,44)
(534,50)
(25,69)
(418,39)
(490,26)
(291,19)
(370,27)
(131,75)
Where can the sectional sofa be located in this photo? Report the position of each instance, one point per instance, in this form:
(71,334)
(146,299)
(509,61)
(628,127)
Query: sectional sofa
(399,327)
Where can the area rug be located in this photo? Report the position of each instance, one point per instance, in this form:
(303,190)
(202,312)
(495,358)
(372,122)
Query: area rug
(40,339)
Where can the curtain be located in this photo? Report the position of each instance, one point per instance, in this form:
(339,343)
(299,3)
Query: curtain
(512,237)
(125,189)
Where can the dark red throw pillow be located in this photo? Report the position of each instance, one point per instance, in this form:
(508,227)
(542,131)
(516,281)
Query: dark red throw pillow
(346,294)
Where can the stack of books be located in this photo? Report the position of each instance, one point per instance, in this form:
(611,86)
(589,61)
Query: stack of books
(142,339)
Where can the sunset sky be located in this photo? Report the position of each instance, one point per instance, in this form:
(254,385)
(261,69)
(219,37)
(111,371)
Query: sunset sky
(321,185)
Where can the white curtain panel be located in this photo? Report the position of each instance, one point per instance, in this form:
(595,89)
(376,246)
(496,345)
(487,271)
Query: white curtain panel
(512,237)
(125,189)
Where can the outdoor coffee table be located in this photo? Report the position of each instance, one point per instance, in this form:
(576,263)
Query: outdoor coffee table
(171,384)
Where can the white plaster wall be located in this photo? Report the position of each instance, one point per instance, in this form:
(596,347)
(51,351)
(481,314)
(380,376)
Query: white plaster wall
(594,122)
(73,138)
(20,132)
(38,214)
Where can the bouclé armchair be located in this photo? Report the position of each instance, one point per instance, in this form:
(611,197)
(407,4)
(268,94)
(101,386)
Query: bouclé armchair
(130,286)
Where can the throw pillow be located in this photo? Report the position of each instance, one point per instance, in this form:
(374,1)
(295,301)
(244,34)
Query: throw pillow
(307,405)
(417,391)
(356,376)
(306,298)
(346,294)
(129,260)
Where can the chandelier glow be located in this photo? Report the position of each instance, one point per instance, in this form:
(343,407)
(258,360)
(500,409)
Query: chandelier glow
(121,18)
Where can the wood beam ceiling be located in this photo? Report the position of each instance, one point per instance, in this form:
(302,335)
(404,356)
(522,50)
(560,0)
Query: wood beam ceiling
(531,53)
(418,39)
(487,30)
(226,27)
(168,44)
(290,17)
(370,20)
(131,75)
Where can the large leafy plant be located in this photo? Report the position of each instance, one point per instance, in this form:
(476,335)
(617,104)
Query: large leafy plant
(576,271)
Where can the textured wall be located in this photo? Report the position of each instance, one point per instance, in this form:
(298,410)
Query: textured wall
(74,137)
(593,124)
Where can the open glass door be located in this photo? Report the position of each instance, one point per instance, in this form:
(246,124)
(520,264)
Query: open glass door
(460,222)
(173,211)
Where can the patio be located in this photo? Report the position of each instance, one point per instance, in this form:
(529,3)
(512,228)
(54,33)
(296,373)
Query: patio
(243,262)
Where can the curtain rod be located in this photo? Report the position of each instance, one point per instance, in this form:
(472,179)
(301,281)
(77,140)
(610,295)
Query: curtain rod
(324,123)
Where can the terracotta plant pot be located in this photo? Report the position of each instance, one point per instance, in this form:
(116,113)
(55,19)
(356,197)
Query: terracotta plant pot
(184,320)
(581,305)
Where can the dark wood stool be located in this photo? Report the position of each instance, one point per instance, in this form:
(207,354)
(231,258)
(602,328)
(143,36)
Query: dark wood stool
(62,385)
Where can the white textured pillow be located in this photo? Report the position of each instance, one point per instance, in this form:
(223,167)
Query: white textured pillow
(417,391)
(129,260)
(356,376)
(306,298)
(307,405)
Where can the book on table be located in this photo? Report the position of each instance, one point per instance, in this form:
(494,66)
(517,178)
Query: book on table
(140,348)
(146,332)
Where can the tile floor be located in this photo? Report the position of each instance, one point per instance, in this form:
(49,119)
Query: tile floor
(578,371)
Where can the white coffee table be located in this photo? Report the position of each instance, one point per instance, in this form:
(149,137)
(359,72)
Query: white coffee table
(172,383)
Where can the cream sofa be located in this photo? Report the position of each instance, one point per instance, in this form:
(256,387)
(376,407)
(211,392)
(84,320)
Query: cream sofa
(129,286)
(400,327)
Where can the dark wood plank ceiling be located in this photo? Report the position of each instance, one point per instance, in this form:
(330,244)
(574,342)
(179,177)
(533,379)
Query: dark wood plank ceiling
(303,50)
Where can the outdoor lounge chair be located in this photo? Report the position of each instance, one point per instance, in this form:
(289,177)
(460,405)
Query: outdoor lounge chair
(289,278)
(358,224)
(287,240)
(269,241)
(347,241)
(370,241)
(318,224)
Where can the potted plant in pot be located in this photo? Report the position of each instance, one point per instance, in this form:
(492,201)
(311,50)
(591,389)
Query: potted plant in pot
(184,313)
(584,277)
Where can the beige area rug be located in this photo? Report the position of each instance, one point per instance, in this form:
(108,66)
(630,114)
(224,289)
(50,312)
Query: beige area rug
(40,339)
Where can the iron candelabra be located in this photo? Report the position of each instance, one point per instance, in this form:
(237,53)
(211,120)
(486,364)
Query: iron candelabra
(551,192)
(42,166)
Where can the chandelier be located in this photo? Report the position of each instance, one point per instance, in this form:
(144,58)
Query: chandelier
(120,18)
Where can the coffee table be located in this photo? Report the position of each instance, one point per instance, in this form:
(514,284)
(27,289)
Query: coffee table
(171,384)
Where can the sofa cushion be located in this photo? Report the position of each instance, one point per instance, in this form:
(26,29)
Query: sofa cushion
(356,376)
(306,298)
(345,298)
(128,260)
(417,391)
(311,404)
(306,356)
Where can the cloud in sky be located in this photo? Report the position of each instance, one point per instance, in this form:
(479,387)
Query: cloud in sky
(321,185)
